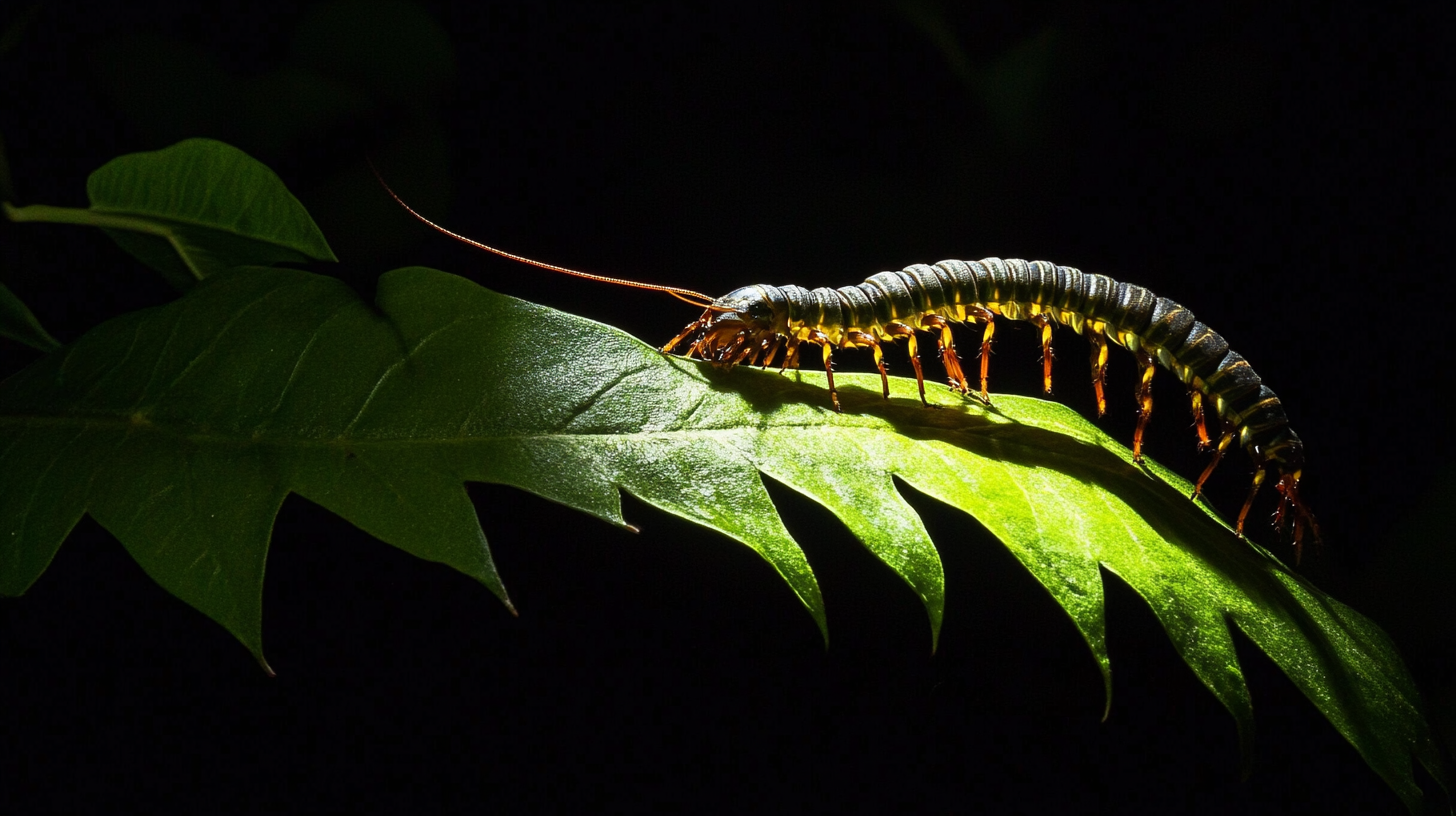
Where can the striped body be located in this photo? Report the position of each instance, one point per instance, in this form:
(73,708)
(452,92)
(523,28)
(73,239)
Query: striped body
(754,323)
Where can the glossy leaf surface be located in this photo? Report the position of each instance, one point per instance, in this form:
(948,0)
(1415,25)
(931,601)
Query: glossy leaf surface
(192,210)
(182,428)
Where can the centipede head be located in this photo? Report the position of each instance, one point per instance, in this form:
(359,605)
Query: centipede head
(741,326)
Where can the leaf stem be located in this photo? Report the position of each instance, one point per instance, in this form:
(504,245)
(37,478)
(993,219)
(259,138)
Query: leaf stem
(95,218)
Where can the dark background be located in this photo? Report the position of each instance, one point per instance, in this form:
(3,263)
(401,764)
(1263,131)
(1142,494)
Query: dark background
(1275,171)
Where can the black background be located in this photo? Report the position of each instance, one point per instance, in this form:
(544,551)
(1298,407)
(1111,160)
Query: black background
(1275,171)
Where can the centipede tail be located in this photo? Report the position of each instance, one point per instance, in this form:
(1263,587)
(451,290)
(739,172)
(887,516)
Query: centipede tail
(753,323)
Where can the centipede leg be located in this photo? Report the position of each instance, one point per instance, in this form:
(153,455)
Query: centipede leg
(1046,350)
(986,335)
(1196,397)
(816,336)
(860,338)
(791,355)
(1249,502)
(738,352)
(1099,367)
(683,335)
(902,330)
(1290,504)
(771,349)
(754,353)
(948,357)
(700,348)
(1227,439)
(1145,401)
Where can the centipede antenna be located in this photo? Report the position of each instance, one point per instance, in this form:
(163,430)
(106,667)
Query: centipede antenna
(687,295)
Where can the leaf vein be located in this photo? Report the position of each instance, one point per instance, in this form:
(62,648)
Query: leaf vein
(398,364)
(217,337)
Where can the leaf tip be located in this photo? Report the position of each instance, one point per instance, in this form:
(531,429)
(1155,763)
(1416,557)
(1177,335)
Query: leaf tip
(263,662)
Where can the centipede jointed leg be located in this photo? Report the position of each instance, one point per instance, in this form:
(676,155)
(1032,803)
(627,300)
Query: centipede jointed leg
(1145,401)
(1230,432)
(898,329)
(859,338)
(1195,398)
(986,335)
(1249,502)
(948,357)
(1099,368)
(819,337)
(1045,323)
(758,323)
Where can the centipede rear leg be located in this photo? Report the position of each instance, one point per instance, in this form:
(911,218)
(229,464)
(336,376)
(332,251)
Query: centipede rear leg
(1291,505)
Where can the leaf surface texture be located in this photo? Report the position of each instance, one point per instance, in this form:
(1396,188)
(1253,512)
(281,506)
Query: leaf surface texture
(182,428)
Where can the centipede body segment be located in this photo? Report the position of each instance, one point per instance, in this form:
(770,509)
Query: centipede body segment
(756,324)
(750,324)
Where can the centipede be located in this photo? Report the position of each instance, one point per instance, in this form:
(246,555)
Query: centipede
(760,324)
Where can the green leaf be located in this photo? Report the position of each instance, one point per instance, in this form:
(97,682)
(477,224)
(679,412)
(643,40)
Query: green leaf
(18,323)
(182,428)
(192,210)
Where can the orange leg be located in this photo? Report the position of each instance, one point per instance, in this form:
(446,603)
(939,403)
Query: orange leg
(816,336)
(1224,441)
(1099,367)
(740,351)
(791,355)
(859,338)
(754,353)
(902,330)
(1145,401)
(1253,491)
(948,356)
(1290,504)
(1197,397)
(691,327)
(701,347)
(771,348)
(986,335)
(1046,350)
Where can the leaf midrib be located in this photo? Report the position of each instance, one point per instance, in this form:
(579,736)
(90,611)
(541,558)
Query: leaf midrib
(133,425)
